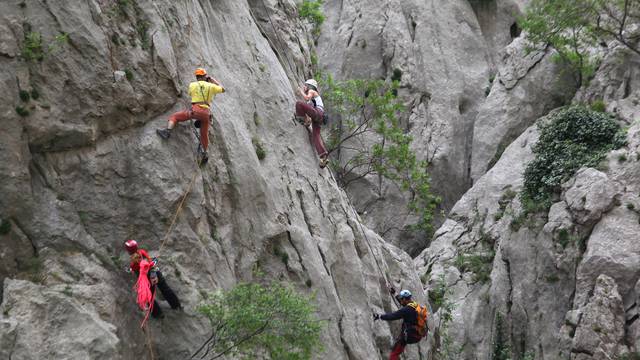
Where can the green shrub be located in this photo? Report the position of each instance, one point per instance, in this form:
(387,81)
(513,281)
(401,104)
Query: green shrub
(128,74)
(24,95)
(311,11)
(397,75)
(5,227)
(501,348)
(479,264)
(571,138)
(622,158)
(35,94)
(253,321)
(598,106)
(22,111)
(368,107)
(32,48)
(261,153)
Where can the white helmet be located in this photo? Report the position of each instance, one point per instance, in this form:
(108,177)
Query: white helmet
(313,83)
(405,294)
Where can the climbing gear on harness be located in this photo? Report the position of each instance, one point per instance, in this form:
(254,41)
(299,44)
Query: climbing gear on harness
(200,72)
(313,83)
(421,319)
(164,133)
(405,294)
(131,246)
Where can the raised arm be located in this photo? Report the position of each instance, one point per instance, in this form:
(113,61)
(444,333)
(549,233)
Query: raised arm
(216,82)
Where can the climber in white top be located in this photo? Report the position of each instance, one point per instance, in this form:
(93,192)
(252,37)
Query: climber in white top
(311,112)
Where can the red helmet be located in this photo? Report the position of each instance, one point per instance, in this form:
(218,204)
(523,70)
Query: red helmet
(131,246)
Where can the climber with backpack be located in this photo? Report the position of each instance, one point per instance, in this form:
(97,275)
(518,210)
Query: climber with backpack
(202,91)
(414,325)
(310,112)
(140,258)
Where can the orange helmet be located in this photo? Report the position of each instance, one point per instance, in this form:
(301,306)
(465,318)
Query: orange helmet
(200,72)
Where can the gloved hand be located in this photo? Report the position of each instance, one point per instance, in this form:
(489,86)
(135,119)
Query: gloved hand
(376,317)
(392,290)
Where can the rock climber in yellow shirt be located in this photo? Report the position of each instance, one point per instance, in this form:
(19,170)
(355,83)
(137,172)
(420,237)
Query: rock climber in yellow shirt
(202,92)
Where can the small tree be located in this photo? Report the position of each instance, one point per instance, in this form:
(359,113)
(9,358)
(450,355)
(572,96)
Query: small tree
(573,27)
(368,140)
(252,321)
(311,11)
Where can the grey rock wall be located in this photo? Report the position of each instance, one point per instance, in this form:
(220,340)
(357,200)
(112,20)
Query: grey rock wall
(85,171)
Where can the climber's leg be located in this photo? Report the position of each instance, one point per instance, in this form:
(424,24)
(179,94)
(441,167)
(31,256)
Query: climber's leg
(167,292)
(398,349)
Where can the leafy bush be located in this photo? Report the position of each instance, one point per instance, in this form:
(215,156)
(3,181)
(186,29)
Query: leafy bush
(599,106)
(368,110)
(253,321)
(479,264)
(261,153)
(573,27)
(22,111)
(571,138)
(32,49)
(311,11)
(24,95)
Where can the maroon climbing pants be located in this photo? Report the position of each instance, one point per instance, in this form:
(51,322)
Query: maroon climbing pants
(196,113)
(315,114)
(398,349)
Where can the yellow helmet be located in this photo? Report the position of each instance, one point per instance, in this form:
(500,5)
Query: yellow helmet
(200,72)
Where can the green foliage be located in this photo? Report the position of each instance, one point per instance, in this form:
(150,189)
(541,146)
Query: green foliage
(261,153)
(128,74)
(504,201)
(32,48)
(571,138)
(563,237)
(142,28)
(630,356)
(22,111)
(24,95)
(35,94)
(252,321)
(397,75)
(67,291)
(479,264)
(622,158)
(281,254)
(311,10)
(573,27)
(35,50)
(599,106)
(368,109)
(630,206)
(440,297)
(501,348)
(5,226)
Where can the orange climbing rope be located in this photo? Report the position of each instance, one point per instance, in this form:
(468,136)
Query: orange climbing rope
(143,325)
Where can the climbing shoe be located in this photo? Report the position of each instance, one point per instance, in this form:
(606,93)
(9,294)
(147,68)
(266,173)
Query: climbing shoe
(204,158)
(323,162)
(300,119)
(164,133)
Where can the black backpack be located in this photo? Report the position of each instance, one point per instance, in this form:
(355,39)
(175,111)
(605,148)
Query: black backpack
(325,118)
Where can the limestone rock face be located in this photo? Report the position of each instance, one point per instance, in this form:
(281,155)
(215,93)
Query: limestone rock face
(468,83)
(82,170)
(564,281)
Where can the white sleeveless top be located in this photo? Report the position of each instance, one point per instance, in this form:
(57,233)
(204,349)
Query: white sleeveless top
(317,102)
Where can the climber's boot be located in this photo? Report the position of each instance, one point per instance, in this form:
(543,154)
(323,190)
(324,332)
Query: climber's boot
(203,156)
(164,133)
